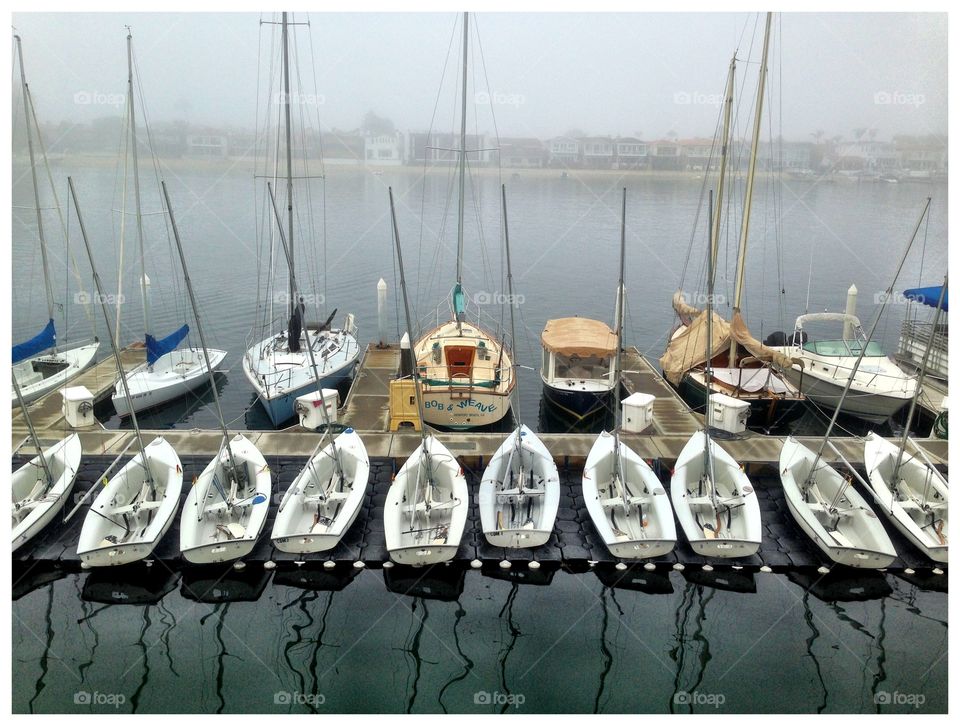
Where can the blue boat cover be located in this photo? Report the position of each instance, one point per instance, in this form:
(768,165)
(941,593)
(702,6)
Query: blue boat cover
(459,302)
(928,295)
(46,338)
(157,348)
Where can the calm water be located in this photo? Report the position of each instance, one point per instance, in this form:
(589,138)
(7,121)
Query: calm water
(578,645)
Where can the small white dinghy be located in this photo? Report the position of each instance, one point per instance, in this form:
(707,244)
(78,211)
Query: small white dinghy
(831,511)
(519,492)
(35,500)
(131,514)
(626,501)
(171,376)
(226,508)
(720,517)
(426,507)
(917,504)
(323,501)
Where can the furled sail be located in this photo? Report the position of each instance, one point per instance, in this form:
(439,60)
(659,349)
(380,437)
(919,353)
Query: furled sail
(46,338)
(159,348)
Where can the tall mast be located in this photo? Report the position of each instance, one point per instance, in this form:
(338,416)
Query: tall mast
(863,348)
(286,113)
(620,310)
(920,377)
(148,475)
(748,195)
(724,148)
(203,342)
(510,302)
(463,152)
(708,367)
(136,183)
(27,106)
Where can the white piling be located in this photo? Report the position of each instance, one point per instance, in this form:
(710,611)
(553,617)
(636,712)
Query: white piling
(382,310)
(851,309)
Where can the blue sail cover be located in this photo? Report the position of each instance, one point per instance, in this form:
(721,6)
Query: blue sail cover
(46,338)
(459,303)
(928,295)
(158,348)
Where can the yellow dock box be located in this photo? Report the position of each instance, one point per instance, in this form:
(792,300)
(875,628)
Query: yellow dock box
(403,404)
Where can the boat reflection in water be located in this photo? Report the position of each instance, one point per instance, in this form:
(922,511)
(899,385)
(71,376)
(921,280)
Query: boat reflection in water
(636,578)
(433,583)
(133,585)
(218,584)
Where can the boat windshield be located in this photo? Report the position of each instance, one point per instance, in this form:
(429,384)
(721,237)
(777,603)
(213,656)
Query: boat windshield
(843,348)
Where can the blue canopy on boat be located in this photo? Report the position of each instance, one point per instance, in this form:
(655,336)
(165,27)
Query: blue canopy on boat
(928,295)
(158,348)
(46,338)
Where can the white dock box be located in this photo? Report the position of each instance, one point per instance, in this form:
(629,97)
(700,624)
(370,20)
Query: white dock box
(310,410)
(78,407)
(637,412)
(728,414)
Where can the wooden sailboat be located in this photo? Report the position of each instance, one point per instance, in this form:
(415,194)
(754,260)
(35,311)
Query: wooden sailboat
(227,504)
(426,508)
(169,372)
(466,373)
(136,507)
(278,366)
(625,499)
(907,488)
(41,364)
(520,489)
(714,500)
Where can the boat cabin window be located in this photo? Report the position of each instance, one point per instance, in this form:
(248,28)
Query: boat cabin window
(843,348)
(459,360)
(581,368)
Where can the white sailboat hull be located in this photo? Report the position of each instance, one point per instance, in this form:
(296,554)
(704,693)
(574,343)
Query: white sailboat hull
(636,523)
(112,534)
(856,537)
(170,377)
(415,533)
(212,532)
(922,521)
(71,363)
(519,518)
(31,515)
(307,523)
(737,522)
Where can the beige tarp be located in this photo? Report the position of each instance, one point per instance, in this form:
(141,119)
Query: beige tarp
(684,309)
(688,348)
(579,336)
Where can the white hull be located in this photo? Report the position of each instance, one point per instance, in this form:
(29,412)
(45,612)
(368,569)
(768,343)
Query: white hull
(632,514)
(923,521)
(34,386)
(512,515)
(214,529)
(126,520)
(170,377)
(851,535)
(318,508)
(32,512)
(731,530)
(865,404)
(424,524)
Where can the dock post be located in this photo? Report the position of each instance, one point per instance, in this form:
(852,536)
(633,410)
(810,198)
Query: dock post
(406,356)
(851,309)
(382,311)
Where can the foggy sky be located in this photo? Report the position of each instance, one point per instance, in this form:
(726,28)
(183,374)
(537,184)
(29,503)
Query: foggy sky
(548,73)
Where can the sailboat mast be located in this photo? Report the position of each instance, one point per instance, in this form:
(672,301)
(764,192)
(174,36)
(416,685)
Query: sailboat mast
(203,342)
(863,348)
(286,112)
(148,475)
(27,105)
(748,194)
(33,432)
(617,360)
(708,366)
(510,302)
(463,152)
(724,148)
(136,183)
(920,376)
